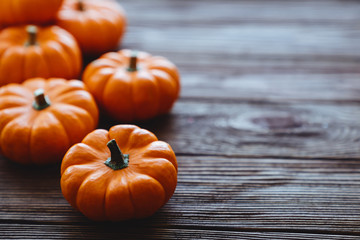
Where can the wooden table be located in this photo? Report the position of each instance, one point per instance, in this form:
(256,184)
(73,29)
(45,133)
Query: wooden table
(266,132)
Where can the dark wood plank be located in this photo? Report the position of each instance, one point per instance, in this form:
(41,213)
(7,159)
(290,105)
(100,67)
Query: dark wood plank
(213,193)
(258,130)
(201,43)
(31,231)
(274,87)
(254,50)
(230,11)
(220,28)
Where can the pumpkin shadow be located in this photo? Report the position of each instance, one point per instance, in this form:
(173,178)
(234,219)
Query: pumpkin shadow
(26,178)
(158,125)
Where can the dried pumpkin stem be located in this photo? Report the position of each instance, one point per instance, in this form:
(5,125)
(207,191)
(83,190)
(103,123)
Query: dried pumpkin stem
(80,5)
(133,62)
(32,32)
(118,160)
(41,101)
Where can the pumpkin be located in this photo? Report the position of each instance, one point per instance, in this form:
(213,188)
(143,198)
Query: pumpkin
(98,26)
(119,174)
(41,119)
(131,85)
(28,11)
(31,51)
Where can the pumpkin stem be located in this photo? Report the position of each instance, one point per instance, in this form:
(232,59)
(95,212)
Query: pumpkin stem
(41,101)
(118,160)
(80,5)
(133,62)
(32,31)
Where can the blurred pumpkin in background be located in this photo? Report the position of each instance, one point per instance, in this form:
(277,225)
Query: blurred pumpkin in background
(32,51)
(131,85)
(98,26)
(41,118)
(28,11)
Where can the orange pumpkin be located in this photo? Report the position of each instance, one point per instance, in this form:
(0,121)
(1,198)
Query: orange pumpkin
(98,26)
(28,11)
(117,175)
(132,85)
(40,119)
(30,51)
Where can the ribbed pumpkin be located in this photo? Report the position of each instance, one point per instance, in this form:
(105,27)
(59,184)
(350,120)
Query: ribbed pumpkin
(98,26)
(41,119)
(31,51)
(28,11)
(132,85)
(117,175)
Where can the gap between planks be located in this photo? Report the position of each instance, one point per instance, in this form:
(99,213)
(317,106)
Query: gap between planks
(127,225)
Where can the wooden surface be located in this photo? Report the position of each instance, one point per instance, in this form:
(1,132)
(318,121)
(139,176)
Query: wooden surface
(266,132)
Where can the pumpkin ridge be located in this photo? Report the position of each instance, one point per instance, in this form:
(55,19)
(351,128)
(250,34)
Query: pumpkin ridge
(3,131)
(60,57)
(8,101)
(10,119)
(129,171)
(19,59)
(139,175)
(94,22)
(169,68)
(33,62)
(98,145)
(78,160)
(4,59)
(31,85)
(78,120)
(110,81)
(94,70)
(128,129)
(126,186)
(159,86)
(7,91)
(15,115)
(61,90)
(138,132)
(52,86)
(85,181)
(90,110)
(66,175)
(104,80)
(132,83)
(70,54)
(61,98)
(138,81)
(142,170)
(34,158)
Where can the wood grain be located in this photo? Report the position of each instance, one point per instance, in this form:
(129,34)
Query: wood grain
(278,87)
(229,11)
(232,128)
(266,130)
(219,193)
(28,231)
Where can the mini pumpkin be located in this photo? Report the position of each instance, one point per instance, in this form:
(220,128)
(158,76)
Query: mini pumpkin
(41,119)
(132,85)
(31,51)
(98,26)
(117,175)
(28,11)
